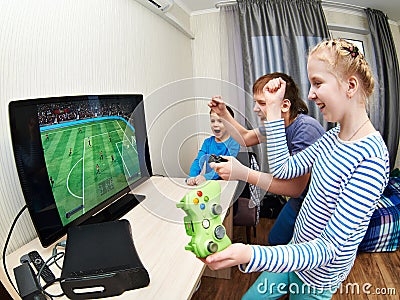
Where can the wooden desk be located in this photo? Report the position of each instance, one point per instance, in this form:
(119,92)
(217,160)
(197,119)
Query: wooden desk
(159,237)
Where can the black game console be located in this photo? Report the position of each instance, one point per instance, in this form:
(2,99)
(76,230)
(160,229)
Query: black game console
(101,261)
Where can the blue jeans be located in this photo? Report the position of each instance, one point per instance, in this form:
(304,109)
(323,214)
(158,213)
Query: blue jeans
(274,285)
(282,231)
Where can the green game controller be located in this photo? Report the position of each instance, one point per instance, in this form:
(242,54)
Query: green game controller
(203,220)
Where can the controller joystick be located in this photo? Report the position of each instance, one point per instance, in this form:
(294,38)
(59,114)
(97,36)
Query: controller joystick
(203,220)
(216,209)
(212,247)
(216,159)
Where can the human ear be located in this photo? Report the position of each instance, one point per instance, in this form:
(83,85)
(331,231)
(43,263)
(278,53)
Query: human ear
(352,86)
(286,104)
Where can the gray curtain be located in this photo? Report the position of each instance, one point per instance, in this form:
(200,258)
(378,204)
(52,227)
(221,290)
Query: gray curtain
(276,37)
(385,110)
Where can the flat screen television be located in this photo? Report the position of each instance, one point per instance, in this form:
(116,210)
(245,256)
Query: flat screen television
(78,157)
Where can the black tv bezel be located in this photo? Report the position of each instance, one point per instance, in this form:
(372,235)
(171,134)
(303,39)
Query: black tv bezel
(110,209)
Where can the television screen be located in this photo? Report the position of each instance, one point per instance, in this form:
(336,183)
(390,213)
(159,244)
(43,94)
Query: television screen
(77,154)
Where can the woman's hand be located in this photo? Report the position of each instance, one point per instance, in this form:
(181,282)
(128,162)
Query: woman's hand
(231,170)
(235,254)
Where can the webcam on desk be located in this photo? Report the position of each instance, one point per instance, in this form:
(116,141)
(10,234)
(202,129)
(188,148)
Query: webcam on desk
(203,221)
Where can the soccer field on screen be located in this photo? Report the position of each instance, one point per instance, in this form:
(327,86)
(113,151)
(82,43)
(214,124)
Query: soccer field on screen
(88,163)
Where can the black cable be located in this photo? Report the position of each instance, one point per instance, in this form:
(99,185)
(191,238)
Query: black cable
(6,245)
(54,252)
(54,257)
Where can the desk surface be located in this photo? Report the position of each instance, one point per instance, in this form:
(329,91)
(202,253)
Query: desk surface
(159,237)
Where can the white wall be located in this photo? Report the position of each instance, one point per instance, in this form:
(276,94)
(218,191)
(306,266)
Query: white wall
(208,49)
(66,47)
(206,62)
(206,45)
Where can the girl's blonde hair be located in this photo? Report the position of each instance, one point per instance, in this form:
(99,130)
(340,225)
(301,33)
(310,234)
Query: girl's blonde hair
(346,60)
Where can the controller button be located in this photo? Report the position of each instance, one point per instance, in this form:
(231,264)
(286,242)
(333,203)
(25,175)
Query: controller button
(196,201)
(206,198)
(212,247)
(199,193)
(216,209)
(219,232)
(206,223)
(202,206)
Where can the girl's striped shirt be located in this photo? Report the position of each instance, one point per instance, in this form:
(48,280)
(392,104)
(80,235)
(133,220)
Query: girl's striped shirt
(347,179)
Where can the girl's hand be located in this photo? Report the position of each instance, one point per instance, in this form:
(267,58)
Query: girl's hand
(274,93)
(274,90)
(235,254)
(231,170)
(218,106)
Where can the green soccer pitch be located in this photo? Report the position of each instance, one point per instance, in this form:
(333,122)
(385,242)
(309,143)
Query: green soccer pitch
(88,163)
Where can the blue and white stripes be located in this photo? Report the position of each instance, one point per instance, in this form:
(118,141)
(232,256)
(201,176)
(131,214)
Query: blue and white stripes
(347,179)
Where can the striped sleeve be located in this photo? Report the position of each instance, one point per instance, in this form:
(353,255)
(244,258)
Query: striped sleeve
(342,233)
(281,164)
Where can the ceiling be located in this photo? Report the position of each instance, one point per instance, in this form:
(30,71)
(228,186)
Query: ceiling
(389,7)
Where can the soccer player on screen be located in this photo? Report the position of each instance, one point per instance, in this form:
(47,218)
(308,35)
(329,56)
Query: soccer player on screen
(51,181)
